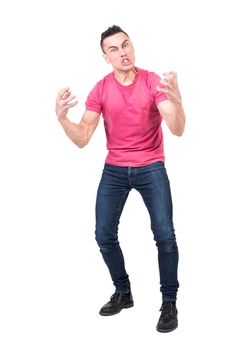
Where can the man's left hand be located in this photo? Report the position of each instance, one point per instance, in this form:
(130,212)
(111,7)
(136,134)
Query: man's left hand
(169,86)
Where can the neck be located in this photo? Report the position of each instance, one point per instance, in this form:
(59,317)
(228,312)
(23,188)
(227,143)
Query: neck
(126,78)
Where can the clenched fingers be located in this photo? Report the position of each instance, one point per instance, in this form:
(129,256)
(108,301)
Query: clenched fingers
(64,101)
(166,83)
(170,77)
(69,99)
(64,97)
(62,91)
(171,74)
(169,86)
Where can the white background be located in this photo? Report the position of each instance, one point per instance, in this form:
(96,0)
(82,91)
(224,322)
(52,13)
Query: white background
(52,277)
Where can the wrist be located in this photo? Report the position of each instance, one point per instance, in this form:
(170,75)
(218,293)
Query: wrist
(62,119)
(178,102)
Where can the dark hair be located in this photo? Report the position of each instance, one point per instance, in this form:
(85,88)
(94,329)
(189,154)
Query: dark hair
(109,32)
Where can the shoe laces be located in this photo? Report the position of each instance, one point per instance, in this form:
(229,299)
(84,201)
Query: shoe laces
(168,308)
(116,297)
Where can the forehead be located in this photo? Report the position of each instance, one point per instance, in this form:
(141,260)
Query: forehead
(115,40)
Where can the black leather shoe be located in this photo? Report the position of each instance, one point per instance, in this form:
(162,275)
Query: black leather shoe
(117,302)
(168,319)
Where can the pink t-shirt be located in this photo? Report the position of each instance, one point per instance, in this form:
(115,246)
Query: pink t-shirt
(131,118)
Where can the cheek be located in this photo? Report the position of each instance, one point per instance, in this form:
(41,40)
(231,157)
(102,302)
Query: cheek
(108,59)
(114,60)
(131,53)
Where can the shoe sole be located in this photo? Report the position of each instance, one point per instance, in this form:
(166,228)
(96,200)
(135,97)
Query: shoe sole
(166,330)
(127,306)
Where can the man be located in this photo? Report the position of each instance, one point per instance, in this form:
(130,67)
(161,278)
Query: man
(133,103)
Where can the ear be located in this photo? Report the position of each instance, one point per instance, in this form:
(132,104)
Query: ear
(106,58)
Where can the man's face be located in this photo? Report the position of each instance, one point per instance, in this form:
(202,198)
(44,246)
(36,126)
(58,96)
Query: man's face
(119,52)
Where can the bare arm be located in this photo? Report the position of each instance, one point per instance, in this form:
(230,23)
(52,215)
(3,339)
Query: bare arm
(172,110)
(80,133)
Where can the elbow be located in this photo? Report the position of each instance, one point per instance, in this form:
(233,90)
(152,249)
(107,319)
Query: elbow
(82,144)
(178,132)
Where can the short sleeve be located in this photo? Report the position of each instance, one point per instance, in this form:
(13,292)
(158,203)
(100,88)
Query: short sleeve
(93,101)
(154,81)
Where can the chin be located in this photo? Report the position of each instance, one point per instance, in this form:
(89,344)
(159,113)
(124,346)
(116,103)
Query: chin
(126,68)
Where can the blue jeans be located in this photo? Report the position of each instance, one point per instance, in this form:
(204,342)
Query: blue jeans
(152,183)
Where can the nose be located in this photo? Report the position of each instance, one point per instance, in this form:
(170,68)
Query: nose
(122,52)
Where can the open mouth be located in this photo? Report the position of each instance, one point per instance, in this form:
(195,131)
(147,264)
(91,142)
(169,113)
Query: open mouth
(126,62)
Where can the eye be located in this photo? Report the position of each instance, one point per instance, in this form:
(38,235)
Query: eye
(113,50)
(125,44)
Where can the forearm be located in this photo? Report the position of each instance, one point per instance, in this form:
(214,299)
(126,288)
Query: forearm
(75,132)
(172,109)
(177,122)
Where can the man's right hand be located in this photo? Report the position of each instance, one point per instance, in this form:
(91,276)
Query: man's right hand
(64,102)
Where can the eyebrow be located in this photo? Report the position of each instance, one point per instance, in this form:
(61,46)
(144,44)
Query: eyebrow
(116,47)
